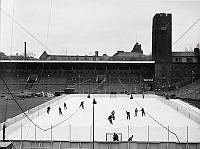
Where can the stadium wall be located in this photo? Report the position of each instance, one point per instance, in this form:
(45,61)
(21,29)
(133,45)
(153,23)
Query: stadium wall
(102,145)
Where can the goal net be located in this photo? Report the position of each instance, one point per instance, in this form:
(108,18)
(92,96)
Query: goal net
(109,136)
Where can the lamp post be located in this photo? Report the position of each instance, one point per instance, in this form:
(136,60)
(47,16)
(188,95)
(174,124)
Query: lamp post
(193,84)
(94,102)
(79,82)
(4,131)
(46,84)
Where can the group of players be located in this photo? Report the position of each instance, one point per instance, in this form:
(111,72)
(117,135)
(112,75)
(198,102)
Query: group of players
(59,109)
(65,108)
(111,117)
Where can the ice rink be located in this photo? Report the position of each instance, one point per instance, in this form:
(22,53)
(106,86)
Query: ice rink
(161,122)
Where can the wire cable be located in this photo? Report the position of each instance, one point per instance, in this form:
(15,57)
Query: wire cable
(160,123)
(20,106)
(157,121)
(186,31)
(13,14)
(122,84)
(30,118)
(50,12)
(81,83)
(63,120)
(29,33)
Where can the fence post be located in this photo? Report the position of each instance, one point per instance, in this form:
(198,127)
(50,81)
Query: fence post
(35,132)
(21,133)
(70,132)
(51,133)
(167,137)
(128,131)
(90,133)
(21,142)
(187,138)
(148,137)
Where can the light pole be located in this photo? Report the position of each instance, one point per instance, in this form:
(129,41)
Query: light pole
(79,78)
(46,84)
(94,102)
(89,90)
(193,84)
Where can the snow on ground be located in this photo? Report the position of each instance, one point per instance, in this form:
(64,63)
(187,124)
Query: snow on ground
(76,123)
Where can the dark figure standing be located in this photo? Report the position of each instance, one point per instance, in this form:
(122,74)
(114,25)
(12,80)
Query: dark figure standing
(128,116)
(131,138)
(110,119)
(82,105)
(48,110)
(143,113)
(60,111)
(136,111)
(115,137)
(65,106)
(113,114)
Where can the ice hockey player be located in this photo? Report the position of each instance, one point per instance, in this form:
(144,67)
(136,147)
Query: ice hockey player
(131,138)
(48,110)
(82,105)
(136,111)
(143,113)
(128,116)
(115,137)
(110,119)
(113,114)
(65,106)
(60,111)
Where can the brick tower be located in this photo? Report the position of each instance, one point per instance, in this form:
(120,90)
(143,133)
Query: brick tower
(162,46)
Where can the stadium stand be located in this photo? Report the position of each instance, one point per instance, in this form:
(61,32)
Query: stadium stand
(189,93)
(40,78)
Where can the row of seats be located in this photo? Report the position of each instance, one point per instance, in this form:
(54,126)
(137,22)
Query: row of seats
(80,82)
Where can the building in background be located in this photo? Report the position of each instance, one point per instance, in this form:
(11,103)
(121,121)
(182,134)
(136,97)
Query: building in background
(135,55)
(162,46)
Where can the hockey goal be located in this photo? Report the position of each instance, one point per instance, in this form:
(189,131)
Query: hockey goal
(109,136)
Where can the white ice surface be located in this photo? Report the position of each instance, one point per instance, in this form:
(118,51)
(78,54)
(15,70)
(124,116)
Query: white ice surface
(76,123)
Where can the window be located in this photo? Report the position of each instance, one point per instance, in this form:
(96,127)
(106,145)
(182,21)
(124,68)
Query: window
(189,60)
(178,59)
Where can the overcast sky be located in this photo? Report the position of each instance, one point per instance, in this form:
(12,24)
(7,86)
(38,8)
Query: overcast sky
(81,27)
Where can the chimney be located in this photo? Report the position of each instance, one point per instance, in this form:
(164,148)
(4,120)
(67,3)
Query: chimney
(96,53)
(25,50)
